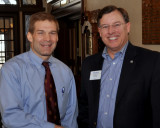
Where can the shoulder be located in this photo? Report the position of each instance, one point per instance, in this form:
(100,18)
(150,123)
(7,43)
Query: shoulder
(61,71)
(96,58)
(60,65)
(146,52)
(15,63)
(92,63)
(137,51)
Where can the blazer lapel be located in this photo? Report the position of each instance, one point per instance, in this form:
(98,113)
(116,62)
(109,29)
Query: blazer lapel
(96,83)
(96,86)
(127,68)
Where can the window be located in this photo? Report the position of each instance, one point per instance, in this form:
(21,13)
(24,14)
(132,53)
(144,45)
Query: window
(29,2)
(14,2)
(6,39)
(14,15)
(2,50)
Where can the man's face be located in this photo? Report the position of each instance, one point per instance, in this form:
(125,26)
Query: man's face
(114,31)
(44,38)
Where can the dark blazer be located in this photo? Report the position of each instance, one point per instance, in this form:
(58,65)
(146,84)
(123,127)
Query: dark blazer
(138,96)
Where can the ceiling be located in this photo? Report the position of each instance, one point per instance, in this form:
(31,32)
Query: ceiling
(71,11)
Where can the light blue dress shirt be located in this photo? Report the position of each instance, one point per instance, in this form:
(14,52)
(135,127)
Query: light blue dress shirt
(109,84)
(22,95)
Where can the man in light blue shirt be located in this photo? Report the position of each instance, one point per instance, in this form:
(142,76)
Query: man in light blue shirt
(22,94)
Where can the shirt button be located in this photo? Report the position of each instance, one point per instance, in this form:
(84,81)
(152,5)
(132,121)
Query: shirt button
(110,79)
(114,63)
(105,113)
(108,96)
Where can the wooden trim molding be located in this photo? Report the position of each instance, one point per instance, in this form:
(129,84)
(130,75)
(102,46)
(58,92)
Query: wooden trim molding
(91,17)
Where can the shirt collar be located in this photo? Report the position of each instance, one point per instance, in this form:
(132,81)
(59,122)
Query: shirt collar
(37,61)
(121,52)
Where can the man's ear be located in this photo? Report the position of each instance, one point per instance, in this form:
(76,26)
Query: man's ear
(29,37)
(99,30)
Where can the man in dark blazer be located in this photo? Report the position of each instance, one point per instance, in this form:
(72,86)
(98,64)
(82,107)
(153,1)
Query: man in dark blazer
(120,87)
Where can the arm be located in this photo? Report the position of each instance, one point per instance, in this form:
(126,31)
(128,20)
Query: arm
(155,94)
(83,102)
(12,104)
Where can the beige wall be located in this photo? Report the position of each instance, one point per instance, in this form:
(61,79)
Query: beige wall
(134,8)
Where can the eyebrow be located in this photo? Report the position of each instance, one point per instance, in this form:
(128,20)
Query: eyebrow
(44,31)
(40,30)
(113,23)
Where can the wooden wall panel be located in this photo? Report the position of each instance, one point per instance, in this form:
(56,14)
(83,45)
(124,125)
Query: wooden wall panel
(151,21)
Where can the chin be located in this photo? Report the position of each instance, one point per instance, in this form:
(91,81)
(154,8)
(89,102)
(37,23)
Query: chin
(46,54)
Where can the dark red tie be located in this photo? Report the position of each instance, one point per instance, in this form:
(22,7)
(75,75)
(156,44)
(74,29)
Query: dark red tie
(51,96)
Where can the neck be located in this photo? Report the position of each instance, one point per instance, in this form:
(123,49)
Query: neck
(111,53)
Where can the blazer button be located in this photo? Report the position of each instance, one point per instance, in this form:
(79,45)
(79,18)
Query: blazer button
(95,123)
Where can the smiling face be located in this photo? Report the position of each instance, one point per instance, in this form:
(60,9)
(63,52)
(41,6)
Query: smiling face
(44,38)
(114,31)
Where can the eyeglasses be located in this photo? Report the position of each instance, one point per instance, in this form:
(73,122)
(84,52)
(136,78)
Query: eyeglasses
(115,26)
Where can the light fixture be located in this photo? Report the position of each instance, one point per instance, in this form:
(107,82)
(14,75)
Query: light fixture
(63,2)
(3,30)
(11,25)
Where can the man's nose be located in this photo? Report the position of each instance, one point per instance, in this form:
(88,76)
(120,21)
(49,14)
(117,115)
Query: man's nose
(111,29)
(47,37)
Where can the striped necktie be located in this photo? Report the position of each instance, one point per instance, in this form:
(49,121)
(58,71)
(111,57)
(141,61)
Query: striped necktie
(51,96)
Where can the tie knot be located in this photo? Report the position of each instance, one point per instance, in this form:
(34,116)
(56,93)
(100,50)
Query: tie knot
(46,65)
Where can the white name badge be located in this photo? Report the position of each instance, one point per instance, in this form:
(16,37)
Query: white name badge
(95,75)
